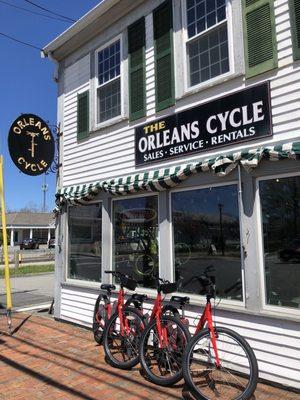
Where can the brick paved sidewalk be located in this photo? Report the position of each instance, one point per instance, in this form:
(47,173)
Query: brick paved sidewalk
(45,359)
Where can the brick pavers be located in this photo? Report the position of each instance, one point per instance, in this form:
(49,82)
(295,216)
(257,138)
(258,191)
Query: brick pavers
(46,359)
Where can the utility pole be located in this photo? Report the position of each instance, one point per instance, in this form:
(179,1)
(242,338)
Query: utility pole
(44,190)
(221,227)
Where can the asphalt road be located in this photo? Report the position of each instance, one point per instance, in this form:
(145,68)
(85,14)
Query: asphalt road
(29,291)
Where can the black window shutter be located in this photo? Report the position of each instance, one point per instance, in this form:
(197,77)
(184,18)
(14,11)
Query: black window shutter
(295,27)
(163,54)
(260,36)
(83,115)
(136,59)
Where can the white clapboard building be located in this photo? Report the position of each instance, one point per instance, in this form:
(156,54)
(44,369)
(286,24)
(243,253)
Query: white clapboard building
(180,150)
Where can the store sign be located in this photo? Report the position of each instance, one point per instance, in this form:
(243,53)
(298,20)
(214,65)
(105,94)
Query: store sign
(31,144)
(239,117)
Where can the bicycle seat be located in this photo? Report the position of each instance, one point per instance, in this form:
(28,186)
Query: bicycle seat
(108,287)
(181,300)
(139,297)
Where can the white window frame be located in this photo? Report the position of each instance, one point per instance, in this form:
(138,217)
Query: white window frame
(233,69)
(121,116)
(197,298)
(145,290)
(80,282)
(267,308)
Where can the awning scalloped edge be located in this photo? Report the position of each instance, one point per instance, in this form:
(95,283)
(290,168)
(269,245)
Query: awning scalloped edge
(167,178)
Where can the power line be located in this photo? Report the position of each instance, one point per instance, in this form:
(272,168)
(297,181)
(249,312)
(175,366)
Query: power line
(20,41)
(33,12)
(52,12)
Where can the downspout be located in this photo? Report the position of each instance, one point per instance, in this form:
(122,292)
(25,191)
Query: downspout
(56,303)
(241,213)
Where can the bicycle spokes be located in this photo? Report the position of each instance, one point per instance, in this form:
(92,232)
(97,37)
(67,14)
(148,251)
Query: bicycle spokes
(231,378)
(164,352)
(124,343)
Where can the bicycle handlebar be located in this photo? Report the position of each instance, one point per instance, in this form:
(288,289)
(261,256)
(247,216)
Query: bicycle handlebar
(125,280)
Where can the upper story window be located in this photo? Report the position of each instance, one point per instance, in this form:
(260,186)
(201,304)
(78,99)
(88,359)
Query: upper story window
(207,40)
(109,82)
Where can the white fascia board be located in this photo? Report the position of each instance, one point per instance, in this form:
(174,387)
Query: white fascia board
(78,26)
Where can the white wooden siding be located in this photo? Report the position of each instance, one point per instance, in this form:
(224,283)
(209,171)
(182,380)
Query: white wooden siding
(276,344)
(109,152)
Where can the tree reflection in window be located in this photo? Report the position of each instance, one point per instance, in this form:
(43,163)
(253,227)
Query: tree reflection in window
(206,232)
(280,204)
(135,252)
(85,236)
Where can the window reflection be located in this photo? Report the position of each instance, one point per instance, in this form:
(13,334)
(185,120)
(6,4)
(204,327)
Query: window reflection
(135,238)
(280,202)
(206,232)
(85,242)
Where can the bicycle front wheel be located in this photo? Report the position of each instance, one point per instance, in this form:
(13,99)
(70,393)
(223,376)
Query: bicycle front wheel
(235,379)
(122,348)
(163,364)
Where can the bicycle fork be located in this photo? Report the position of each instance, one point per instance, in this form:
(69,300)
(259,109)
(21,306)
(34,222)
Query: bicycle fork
(206,317)
(162,332)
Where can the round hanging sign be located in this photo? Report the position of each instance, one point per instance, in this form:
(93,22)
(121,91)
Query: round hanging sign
(31,144)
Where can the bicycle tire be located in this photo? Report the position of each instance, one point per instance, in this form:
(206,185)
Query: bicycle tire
(126,348)
(163,355)
(206,387)
(149,272)
(98,321)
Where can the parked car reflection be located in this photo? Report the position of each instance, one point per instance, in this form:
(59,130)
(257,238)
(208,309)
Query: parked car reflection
(29,244)
(291,252)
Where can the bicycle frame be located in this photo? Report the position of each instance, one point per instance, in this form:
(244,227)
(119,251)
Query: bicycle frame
(123,320)
(156,313)
(206,318)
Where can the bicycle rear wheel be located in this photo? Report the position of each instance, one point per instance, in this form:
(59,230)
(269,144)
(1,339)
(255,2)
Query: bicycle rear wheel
(122,350)
(163,366)
(237,377)
(99,318)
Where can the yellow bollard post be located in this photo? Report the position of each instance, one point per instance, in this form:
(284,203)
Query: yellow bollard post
(5,250)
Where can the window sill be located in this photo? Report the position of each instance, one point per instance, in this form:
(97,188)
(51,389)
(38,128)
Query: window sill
(197,301)
(81,284)
(209,84)
(108,123)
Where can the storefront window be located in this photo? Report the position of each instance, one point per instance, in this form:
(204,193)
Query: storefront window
(280,203)
(135,238)
(206,233)
(84,250)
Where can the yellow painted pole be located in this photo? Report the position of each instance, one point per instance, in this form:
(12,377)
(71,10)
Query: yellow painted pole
(5,249)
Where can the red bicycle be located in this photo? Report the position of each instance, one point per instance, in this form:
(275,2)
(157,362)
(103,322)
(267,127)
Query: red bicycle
(122,332)
(104,308)
(218,363)
(163,341)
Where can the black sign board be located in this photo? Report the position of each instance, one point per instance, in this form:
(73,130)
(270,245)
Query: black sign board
(236,118)
(31,144)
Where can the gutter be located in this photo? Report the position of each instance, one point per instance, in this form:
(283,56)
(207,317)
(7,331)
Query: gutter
(78,26)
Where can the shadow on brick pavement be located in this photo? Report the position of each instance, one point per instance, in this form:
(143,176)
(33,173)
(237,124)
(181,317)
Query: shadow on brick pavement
(46,359)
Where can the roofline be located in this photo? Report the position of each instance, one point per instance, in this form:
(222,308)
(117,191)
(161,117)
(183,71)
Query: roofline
(78,26)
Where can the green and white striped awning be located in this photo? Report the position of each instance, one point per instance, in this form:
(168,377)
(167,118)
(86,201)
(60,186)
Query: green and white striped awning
(167,178)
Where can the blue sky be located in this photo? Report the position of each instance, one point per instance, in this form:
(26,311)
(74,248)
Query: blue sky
(26,85)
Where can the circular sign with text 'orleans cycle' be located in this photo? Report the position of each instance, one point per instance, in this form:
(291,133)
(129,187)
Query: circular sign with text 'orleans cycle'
(31,144)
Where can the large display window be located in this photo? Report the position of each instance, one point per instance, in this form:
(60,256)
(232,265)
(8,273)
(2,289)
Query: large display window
(135,238)
(206,232)
(280,215)
(84,242)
